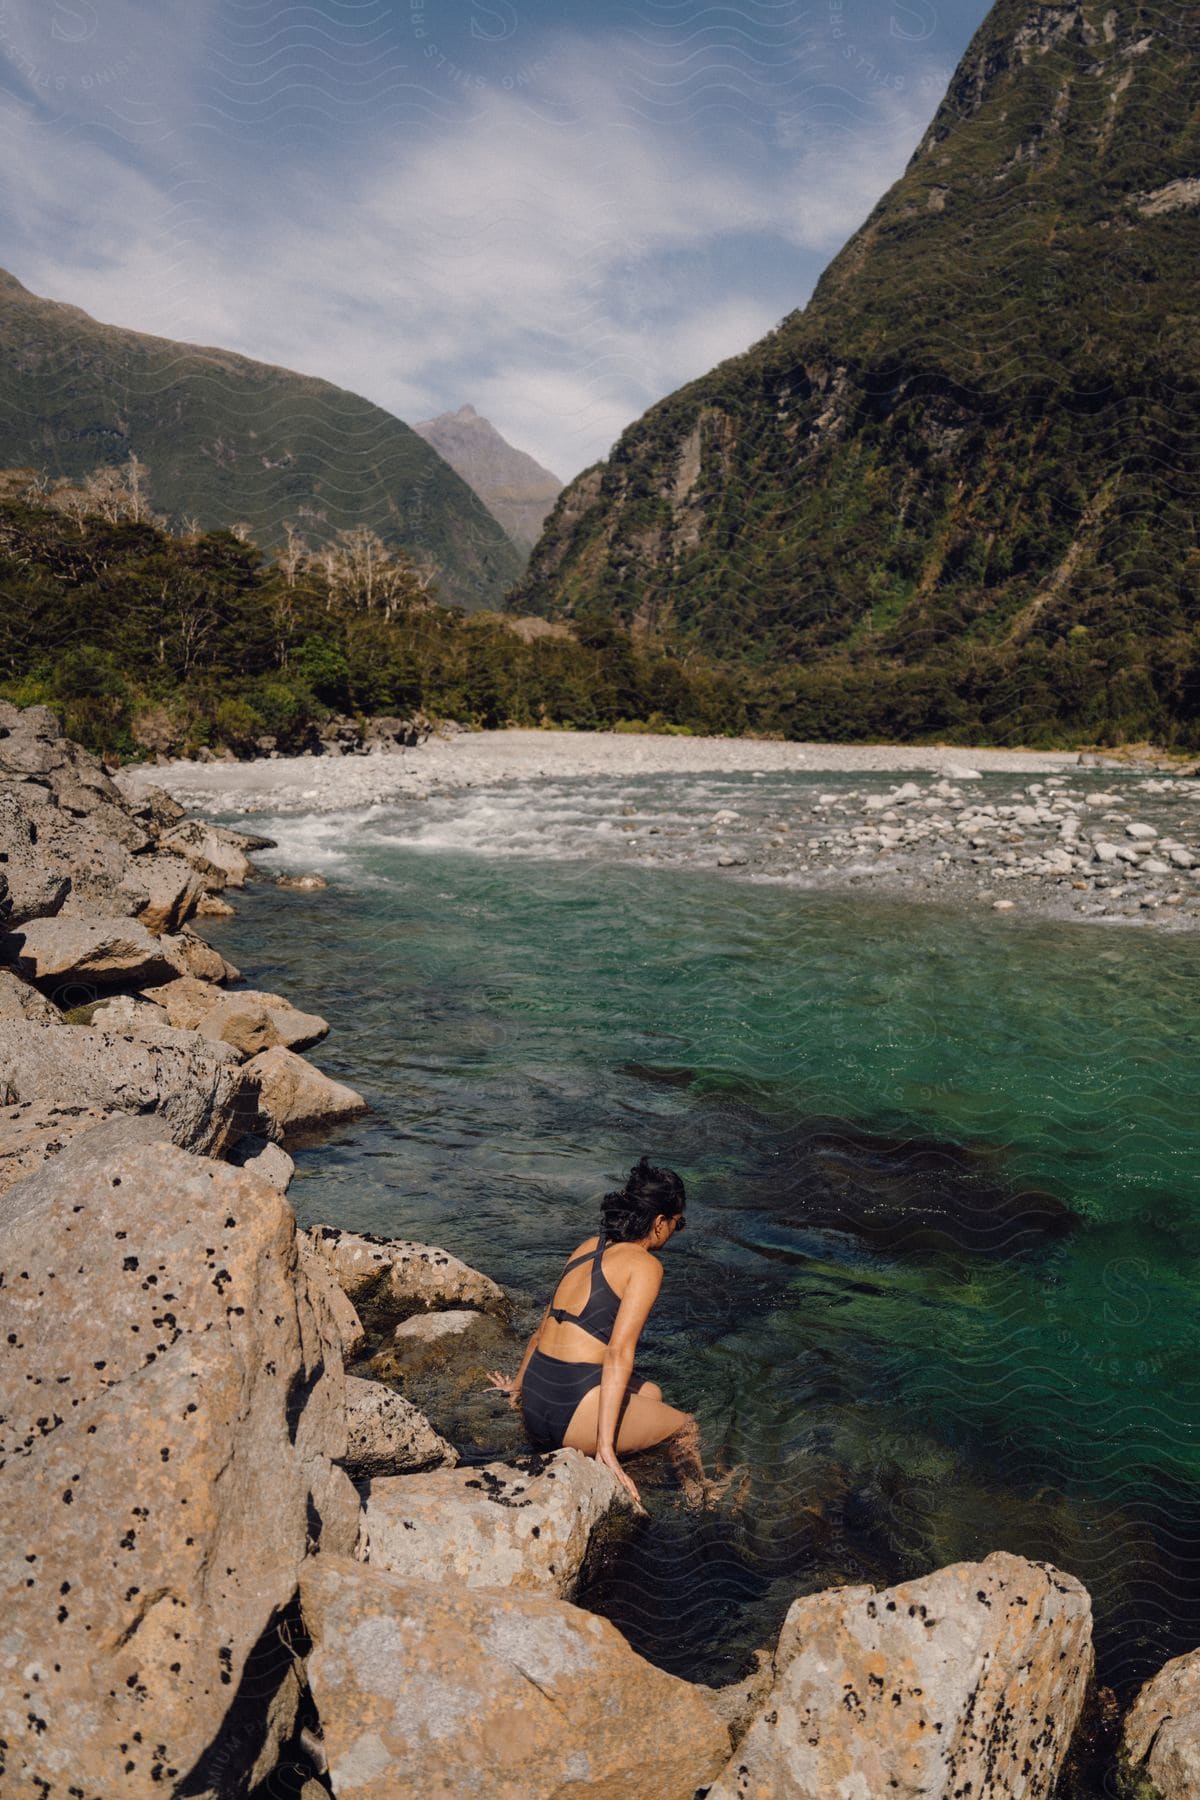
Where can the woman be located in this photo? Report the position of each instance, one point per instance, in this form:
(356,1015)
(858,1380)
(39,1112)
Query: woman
(576,1385)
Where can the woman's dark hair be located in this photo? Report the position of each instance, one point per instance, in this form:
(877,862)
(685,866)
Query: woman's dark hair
(630,1212)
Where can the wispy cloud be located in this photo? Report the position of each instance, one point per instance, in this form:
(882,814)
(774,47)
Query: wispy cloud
(561,253)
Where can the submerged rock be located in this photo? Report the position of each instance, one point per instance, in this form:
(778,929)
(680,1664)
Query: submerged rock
(386,1434)
(154,1308)
(526,1525)
(302,884)
(914,1194)
(518,1696)
(970,1680)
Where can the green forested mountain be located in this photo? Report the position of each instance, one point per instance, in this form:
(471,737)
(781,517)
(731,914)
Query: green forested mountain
(227,439)
(956,493)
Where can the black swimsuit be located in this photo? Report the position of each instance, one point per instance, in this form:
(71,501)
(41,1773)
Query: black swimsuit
(553,1388)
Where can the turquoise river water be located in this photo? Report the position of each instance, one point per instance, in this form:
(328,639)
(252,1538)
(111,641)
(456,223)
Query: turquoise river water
(939,1284)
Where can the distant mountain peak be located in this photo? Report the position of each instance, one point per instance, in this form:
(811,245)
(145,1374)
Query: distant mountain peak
(517,491)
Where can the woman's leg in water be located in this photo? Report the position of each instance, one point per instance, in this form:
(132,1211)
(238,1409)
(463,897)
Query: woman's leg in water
(642,1423)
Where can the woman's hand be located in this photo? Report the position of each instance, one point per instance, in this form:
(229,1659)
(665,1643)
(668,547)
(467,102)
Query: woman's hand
(506,1384)
(610,1460)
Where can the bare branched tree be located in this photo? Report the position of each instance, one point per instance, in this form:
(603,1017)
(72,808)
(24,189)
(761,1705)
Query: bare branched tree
(364,575)
(118,495)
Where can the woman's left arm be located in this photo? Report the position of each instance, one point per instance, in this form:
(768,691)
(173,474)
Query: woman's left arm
(513,1386)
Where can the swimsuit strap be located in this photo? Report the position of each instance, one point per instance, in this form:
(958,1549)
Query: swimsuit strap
(556,1312)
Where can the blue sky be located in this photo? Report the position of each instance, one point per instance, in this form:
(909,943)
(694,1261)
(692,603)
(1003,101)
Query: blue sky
(558,211)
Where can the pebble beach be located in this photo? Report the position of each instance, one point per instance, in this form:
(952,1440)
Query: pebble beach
(1035,833)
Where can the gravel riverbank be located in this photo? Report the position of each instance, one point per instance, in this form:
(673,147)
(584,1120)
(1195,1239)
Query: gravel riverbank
(1037,833)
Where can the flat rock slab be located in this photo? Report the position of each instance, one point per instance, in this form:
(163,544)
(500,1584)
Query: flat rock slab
(1162,1729)
(969,1681)
(400,1277)
(167,1397)
(196,1087)
(81,952)
(295,1096)
(526,1526)
(31,1133)
(516,1696)
(387,1434)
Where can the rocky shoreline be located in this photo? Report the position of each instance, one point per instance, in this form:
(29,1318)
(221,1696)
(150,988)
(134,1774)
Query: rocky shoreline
(234,1568)
(1036,834)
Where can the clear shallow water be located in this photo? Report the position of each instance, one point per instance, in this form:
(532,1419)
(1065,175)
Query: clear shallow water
(957,1371)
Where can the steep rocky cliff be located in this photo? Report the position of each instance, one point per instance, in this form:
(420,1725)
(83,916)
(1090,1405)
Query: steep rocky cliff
(974,451)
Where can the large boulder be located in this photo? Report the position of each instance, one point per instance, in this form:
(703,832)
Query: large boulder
(197,1088)
(19,1001)
(387,1435)
(218,854)
(200,960)
(173,892)
(524,1525)
(295,1096)
(424,1690)
(77,955)
(35,885)
(252,1021)
(270,1162)
(185,1000)
(1162,1729)
(969,1681)
(170,1397)
(401,1277)
(152,805)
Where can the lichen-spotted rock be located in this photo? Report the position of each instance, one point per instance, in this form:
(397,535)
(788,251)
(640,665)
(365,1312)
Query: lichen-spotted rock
(399,1277)
(195,1086)
(424,1690)
(969,1681)
(170,1400)
(502,1525)
(1162,1728)
(387,1434)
